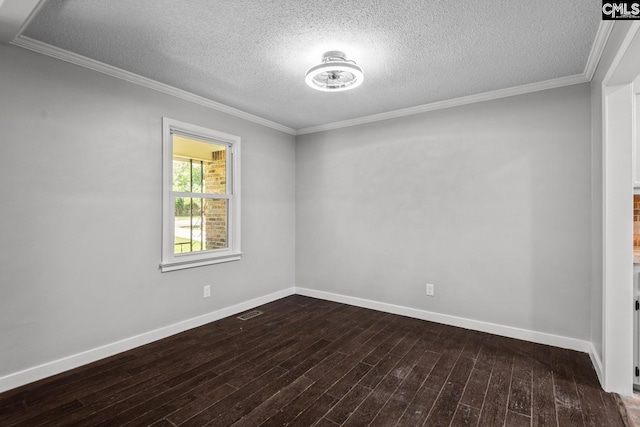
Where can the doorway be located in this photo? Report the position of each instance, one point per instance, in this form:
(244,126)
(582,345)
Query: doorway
(619,88)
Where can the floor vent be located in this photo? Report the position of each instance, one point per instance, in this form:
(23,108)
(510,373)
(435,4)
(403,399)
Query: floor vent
(249,315)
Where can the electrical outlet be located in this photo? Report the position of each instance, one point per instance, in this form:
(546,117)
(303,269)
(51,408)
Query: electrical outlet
(431,289)
(207,291)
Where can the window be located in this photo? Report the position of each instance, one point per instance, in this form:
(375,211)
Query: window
(201,196)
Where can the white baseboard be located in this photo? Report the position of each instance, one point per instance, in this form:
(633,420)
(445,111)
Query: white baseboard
(492,328)
(597,364)
(45,370)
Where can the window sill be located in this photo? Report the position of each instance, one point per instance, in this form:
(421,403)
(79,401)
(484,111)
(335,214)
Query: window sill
(181,265)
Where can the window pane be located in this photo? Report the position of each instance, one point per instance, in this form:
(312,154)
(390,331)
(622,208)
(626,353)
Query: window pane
(199,167)
(200,224)
(187,175)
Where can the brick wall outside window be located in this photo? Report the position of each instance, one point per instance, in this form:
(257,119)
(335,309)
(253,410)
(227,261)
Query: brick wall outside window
(215,212)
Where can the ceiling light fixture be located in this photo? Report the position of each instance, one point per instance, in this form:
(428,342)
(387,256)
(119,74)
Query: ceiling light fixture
(335,73)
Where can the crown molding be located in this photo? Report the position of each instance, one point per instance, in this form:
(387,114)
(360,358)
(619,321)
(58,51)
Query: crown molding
(604,30)
(83,61)
(456,102)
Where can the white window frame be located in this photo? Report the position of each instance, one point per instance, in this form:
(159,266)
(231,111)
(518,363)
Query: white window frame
(170,260)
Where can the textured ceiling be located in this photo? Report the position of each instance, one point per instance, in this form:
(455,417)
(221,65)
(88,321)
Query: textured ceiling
(252,55)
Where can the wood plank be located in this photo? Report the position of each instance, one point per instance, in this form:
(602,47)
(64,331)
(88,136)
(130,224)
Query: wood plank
(419,408)
(341,369)
(313,396)
(486,357)
(392,411)
(302,355)
(201,397)
(263,407)
(495,401)
(515,419)
(523,365)
(566,395)
(36,394)
(476,389)
(315,412)
(326,365)
(408,361)
(382,368)
(125,413)
(520,396)
(345,407)
(447,403)
(592,397)
(440,372)
(542,397)
(42,418)
(451,348)
(378,353)
(323,423)
(104,406)
(218,409)
(162,423)
(347,382)
(472,347)
(372,329)
(466,416)
(368,409)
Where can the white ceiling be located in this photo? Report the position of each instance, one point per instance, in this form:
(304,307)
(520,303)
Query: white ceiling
(252,54)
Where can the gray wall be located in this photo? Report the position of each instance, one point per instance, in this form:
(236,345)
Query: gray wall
(81,212)
(490,201)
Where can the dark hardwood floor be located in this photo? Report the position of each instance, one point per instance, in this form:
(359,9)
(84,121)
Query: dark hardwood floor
(310,362)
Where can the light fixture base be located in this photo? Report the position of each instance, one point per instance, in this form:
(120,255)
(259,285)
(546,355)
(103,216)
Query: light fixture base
(334,55)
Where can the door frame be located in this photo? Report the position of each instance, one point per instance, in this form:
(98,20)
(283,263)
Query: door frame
(617,232)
